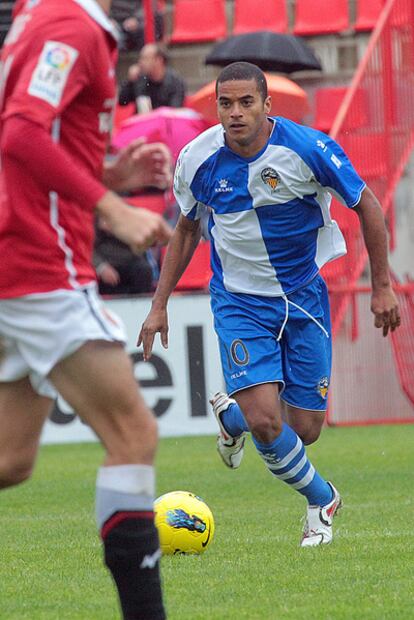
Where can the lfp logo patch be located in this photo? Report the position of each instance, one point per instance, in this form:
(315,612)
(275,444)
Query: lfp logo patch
(58,58)
(52,71)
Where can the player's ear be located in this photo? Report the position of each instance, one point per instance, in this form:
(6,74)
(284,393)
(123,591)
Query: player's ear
(268,104)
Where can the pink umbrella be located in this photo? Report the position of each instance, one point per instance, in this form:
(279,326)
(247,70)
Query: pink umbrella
(175,127)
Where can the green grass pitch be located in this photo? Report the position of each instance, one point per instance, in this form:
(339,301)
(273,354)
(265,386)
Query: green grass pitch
(51,567)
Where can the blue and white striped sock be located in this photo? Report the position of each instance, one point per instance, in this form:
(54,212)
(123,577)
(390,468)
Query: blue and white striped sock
(233,420)
(286,459)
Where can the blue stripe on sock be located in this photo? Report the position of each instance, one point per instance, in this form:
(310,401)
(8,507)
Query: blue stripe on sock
(317,492)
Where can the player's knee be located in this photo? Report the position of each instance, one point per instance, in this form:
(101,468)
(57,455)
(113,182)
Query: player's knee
(265,429)
(13,472)
(308,434)
(135,439)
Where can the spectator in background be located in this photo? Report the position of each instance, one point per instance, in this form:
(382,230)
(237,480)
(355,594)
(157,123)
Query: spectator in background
(151,83)
(121,271)
(129,17)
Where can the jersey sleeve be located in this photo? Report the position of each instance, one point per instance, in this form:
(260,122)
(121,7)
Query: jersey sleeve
(324,161)
(189,205)
(332,168)
(53,75)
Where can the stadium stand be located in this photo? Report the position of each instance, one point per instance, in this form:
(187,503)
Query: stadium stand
(253,15)
(321,16)
(198,21)
(6,9)
(327,102)
(198,273)
(367,13)
(153,201)
(122,112)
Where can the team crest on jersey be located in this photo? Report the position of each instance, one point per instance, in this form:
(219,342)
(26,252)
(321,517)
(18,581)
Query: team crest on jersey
(270,177)
(323,386)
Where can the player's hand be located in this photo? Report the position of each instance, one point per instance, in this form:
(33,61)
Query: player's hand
(384,306)
(108,274)
(156,321)
(134,71)
(139,165)
(138,228)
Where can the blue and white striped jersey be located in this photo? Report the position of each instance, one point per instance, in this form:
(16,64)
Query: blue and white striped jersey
(270,222)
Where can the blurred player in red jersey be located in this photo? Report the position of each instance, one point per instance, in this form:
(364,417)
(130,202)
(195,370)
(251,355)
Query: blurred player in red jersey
(57,92)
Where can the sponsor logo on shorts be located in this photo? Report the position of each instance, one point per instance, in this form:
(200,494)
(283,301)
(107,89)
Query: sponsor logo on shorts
(323,386)
(52,71)
(271,178)
(237,375)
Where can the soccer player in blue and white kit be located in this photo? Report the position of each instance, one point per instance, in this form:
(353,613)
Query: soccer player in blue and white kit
(267,183)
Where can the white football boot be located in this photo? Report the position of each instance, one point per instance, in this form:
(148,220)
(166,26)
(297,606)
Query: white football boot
(318,524)
(230,448)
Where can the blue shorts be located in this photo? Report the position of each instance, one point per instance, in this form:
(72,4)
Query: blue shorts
(277,339)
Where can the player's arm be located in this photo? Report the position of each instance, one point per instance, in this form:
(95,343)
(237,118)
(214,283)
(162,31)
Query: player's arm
(334,171)
(384,304)
(179,252)
(55,170)
(139,165)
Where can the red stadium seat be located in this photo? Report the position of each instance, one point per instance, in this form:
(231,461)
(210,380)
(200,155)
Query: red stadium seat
(253,15)
(155,202)
(321,17)
(327,102)
(367,13)
(198,273)
(122,112)
(196,21)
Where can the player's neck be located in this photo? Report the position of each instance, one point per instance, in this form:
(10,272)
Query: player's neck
(254,147)
(105,5)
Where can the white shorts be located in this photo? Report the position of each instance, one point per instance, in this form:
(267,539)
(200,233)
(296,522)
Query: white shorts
(38,331)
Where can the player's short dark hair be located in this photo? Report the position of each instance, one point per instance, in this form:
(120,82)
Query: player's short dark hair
(244,71)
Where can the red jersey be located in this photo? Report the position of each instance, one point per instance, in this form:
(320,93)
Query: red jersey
(57,93)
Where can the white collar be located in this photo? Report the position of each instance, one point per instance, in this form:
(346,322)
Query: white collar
(98,14)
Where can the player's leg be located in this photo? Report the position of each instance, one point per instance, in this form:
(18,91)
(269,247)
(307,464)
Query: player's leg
(307,354)
(306,423)
(22,415)
(279,445)
(285,456)
(98,381)
(233,428)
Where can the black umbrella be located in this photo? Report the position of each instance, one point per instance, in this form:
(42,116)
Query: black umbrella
(270,51)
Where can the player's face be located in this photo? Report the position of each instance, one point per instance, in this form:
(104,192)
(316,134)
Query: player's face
(243,114)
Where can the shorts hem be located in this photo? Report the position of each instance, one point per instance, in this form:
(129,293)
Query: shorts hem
(246,387)
(304,408)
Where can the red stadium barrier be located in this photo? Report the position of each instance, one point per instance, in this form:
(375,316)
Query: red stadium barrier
(403,340)
(373,381)
(379,148)
(372,376)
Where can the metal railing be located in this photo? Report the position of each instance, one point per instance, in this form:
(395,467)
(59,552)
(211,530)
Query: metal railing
(375,126)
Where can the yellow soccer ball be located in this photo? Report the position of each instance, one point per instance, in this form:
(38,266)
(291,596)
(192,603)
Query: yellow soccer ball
(185,523)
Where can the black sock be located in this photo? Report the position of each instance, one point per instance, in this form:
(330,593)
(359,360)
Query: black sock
(132,555)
